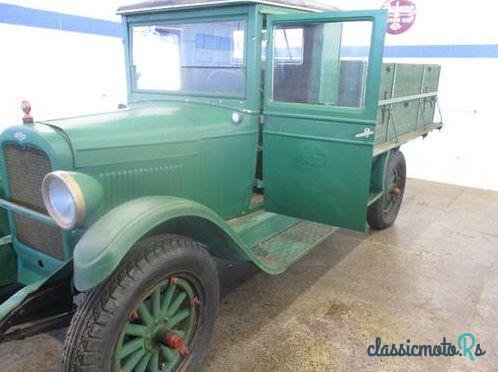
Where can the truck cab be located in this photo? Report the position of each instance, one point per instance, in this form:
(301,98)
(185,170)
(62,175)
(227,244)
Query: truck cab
(253,131)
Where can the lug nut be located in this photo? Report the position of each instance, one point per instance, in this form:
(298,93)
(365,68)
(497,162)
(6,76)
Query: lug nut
(184,351)
(133,315)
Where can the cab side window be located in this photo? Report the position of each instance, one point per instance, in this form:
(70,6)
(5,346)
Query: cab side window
(321,63)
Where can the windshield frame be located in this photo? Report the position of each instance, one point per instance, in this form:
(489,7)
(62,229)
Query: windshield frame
(179,18)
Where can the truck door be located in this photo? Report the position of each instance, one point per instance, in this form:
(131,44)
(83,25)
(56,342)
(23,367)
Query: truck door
(321,95)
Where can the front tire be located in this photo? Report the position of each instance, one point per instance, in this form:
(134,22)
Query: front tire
(156,311)
(383,213)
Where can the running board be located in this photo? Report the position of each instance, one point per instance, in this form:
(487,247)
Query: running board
(282,250)
(274,242)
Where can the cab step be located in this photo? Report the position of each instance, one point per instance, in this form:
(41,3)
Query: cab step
(282,250)
(274,242)
(259,226)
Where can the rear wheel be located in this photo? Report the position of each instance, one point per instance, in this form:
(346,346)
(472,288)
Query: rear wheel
(155,313)
(383,213)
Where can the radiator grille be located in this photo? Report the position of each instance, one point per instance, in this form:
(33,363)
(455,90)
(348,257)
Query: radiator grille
(26,168)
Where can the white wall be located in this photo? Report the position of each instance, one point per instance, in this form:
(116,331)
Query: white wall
(61,73)
(64,73)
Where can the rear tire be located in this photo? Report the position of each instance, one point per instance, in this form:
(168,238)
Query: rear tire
(383,213)
(134,309)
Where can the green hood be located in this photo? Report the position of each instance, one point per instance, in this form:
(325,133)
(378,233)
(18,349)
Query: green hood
(144,131)
(155,148)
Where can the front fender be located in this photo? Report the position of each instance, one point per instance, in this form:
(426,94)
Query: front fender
(108,240)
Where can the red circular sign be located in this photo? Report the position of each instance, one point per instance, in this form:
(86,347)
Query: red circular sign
(401,15)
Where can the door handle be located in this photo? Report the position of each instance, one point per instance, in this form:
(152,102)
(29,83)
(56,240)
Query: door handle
(367,133)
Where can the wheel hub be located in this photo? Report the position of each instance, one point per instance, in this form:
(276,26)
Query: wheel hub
(160,328)
(172,341)
(169,339)
(393,193)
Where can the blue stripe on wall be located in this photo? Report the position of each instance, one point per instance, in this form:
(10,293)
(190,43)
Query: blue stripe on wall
(429,51)
(442,51)
(17,15)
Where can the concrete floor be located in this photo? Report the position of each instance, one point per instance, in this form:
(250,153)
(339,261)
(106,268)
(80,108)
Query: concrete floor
(432,275)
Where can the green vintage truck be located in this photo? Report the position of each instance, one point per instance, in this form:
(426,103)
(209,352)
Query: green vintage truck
(253,130)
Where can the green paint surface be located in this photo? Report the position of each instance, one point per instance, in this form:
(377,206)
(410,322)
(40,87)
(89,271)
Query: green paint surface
(8,273)
(176,163)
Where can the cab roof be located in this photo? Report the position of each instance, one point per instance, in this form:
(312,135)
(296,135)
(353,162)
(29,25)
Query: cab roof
(156,5)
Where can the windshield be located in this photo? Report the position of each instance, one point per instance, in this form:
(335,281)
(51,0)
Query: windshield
(204,57)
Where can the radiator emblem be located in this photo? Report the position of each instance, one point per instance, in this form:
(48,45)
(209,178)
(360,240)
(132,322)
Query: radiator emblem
(20,136)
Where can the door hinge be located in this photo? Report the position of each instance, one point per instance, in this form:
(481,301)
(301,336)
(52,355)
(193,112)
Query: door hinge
(262,119)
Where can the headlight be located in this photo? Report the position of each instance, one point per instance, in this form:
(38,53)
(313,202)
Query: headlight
(69,197)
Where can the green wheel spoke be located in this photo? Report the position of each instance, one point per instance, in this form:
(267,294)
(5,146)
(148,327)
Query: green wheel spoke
(130,347)
(134,360)
(176,303)
(145,315)
(169,354)
(170,306)
(142,366)
(167,299)
(185,285)
(135,330)
(181,315)
(156,302)
(154,362)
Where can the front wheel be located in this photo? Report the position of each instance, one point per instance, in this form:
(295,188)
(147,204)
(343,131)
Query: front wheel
(383,213)
(155,313)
